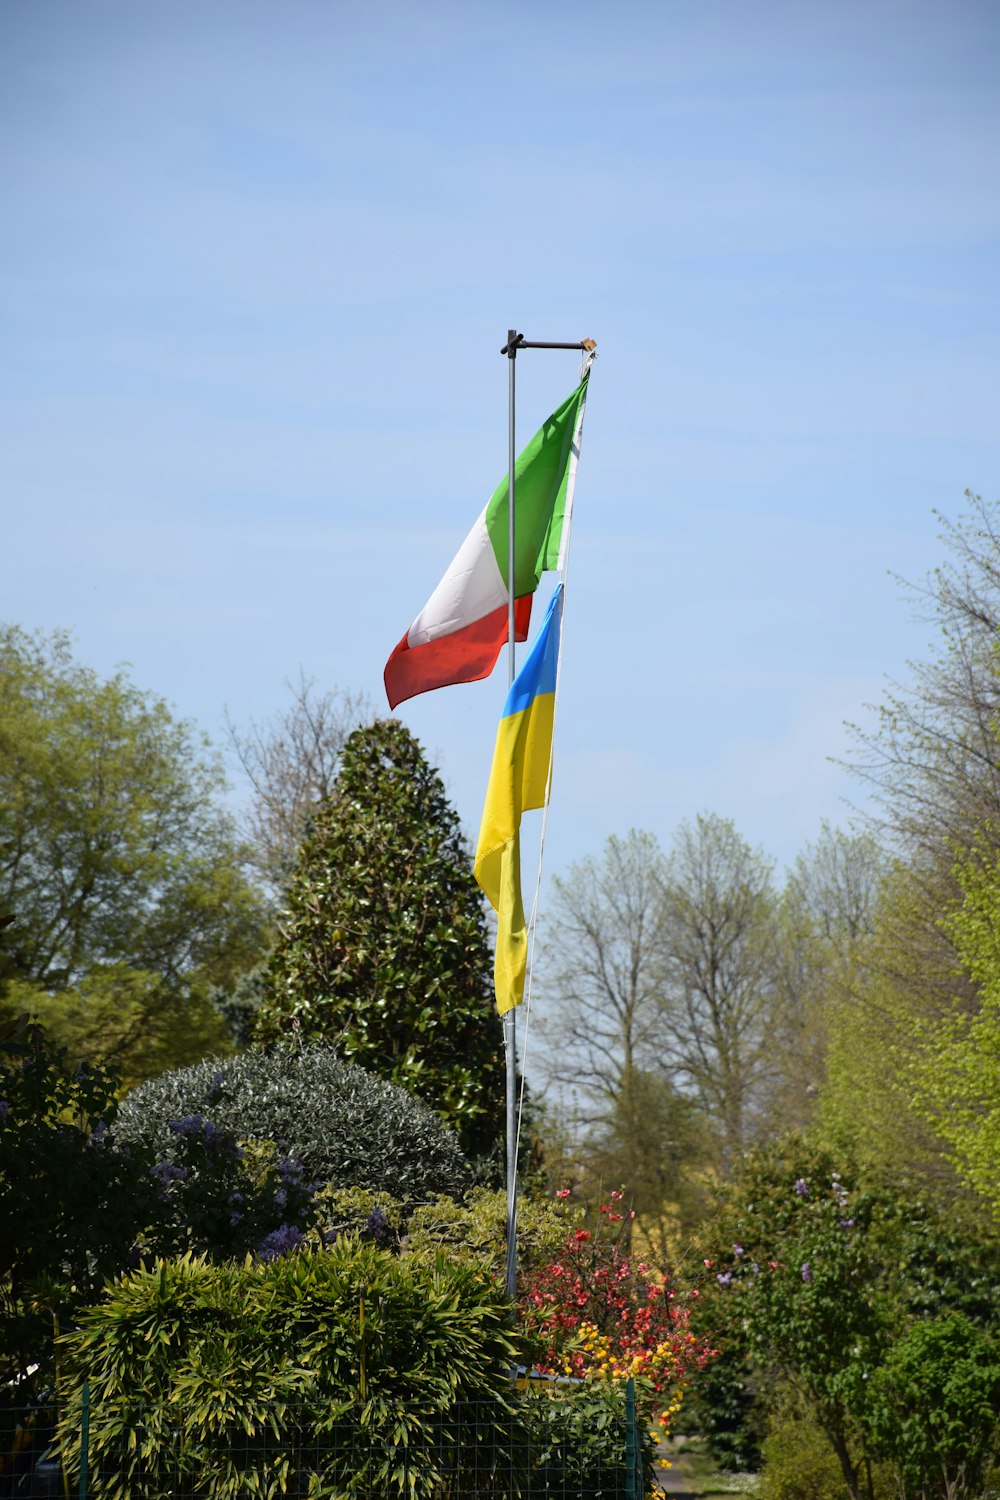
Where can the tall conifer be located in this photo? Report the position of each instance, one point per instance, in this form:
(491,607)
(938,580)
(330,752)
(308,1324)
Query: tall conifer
(383,948)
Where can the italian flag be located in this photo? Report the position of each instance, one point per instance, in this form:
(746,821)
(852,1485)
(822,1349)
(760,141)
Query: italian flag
(462,628)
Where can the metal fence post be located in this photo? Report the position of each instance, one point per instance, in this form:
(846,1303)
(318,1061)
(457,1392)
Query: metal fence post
(630,1443)
(84,1438)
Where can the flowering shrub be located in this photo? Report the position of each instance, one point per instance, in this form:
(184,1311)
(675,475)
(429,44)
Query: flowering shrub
(222,1197)
(602,1316)
(813,1280)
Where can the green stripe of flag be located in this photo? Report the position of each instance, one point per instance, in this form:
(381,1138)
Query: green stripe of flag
(541,473)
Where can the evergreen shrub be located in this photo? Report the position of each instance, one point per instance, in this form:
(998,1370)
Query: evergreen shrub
(342,1126)
(348,1371)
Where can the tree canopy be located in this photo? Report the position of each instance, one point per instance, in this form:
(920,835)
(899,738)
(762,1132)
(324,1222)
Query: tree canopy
(383,947)
(117,861)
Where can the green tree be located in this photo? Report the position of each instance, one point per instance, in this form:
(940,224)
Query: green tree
(814,1274)
(956,1073)
(383,948)
(117,862)
(932,762)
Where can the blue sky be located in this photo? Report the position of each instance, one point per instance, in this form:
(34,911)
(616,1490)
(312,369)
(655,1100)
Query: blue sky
(256,265)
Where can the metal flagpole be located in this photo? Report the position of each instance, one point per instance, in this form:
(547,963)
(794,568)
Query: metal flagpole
(514,342)
(509,1033)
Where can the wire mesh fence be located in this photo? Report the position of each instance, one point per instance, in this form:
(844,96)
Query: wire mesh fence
(544,1444)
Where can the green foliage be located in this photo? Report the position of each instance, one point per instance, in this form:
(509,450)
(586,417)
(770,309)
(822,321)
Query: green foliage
(344,1127)
(727,1401)
(345,1372)
(910,1074)
(799,1464)
(934,1407)
(868,1105)
(472,1231)
(475,1230)
(377,1217)
(957,1073)
(813,1278)
(578,1441)
(71,1200)
(383,947)
(117,861)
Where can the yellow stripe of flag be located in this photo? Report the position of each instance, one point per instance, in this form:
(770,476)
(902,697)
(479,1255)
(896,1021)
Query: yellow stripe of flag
(519,780)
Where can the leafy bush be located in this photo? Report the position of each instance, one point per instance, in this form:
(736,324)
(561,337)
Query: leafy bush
(224,1199)
(344,1127)
(935,1406)
(71,1200)
(812,1279)
(345,1372)
(799,1463)
(377,1217)
(476,1230)
(578,1442)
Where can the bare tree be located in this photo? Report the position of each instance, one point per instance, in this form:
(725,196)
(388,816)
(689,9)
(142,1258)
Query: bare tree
(602,1031)
(601,987)
(932,758)
(291,763)
(717,956)
(827,922)
(835,884)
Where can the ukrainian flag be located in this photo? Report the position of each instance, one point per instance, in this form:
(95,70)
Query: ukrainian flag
(519,780)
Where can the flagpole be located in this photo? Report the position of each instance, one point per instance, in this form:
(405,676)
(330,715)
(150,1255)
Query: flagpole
(514,342)
(509,1032)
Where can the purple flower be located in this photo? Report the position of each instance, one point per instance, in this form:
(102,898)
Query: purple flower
(801,1187)
(279,1242)
(738,1252)
(847,1223)
(4,1109)
(807,1274)
(166,1171)
(196,1127)
(378,1226)
(725,1278)
(234,1219)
